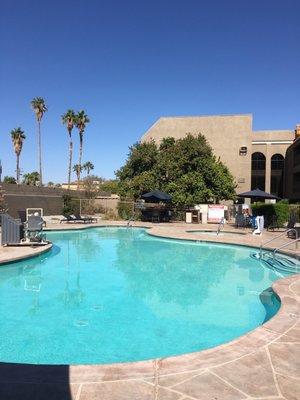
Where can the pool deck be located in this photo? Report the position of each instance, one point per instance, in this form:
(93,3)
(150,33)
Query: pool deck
(263,364)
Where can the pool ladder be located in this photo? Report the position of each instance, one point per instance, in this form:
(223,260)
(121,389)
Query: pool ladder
(273,260)
(221,223)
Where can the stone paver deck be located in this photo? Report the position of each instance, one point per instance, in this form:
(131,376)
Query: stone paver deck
(263,364)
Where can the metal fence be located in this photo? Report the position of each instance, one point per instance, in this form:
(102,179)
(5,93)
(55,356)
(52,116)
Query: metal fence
(11,230)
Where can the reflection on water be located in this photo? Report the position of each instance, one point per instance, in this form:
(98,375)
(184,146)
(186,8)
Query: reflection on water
(111,295)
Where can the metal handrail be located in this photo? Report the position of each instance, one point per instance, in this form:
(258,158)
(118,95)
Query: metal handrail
(222,222)
(283,246)
(276,237)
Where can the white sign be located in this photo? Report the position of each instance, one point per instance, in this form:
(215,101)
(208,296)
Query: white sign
(215,212)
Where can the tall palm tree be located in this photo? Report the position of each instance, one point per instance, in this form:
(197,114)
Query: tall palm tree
(69,119)
(77,168)
(39,107)
(81,120)
(18,136)
(88,166)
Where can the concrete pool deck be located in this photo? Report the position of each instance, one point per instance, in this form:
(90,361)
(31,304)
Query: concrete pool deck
(263,364)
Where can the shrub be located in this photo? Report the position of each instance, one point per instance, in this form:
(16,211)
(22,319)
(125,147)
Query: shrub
(268,210)
(69,205)
(110,215)
(125,210)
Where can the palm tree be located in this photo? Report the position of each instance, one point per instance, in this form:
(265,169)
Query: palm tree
(69,119)
(39,107)
(81,120)
(18,136)
(77,168)
(88,166)
(31,178)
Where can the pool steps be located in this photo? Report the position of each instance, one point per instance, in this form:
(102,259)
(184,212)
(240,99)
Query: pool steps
(278,263)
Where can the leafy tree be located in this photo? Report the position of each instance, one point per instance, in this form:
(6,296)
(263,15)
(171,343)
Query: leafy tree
(88,166)
(39,107)
(185,168)
(18,136)
(3,205)
(91,186)
(81,120)
(110,186)
(31,179)
(69,119)
(9,179)
(50,184)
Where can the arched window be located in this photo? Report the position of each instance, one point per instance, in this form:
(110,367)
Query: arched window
(277,165)
(258,171)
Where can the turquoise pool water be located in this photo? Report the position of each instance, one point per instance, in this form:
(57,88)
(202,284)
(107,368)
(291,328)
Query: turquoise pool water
(107,295)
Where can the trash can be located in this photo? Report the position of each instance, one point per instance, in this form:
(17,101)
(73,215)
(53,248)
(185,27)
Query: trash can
(188,217)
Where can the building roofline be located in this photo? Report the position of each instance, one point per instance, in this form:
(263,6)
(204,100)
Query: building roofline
(194,116)
(206,115)
(273,131)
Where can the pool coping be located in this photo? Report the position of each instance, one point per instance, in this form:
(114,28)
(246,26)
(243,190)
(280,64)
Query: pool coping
(209,360)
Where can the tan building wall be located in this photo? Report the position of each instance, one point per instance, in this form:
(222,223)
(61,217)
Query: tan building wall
(227,134)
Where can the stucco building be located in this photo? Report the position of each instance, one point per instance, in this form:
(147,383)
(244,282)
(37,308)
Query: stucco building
(292,169)
(255,158)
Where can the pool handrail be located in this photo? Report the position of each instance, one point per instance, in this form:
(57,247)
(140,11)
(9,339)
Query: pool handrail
(284,245)
(276,237)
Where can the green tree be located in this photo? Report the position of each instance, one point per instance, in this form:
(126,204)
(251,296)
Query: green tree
(31,179)
(39,107)
(81,120)
(69,119)
(110,186)
(18,137)
(185,168)
(9,179)
(88,167)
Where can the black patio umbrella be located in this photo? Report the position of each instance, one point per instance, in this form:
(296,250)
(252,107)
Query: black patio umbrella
(157,195)
(258,194)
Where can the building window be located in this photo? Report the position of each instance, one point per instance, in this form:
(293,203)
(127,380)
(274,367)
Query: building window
(277,165)
(258,171)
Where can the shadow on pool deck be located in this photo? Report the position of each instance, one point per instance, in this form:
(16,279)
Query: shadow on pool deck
(35,382)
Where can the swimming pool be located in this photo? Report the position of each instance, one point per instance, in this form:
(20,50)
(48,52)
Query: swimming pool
(105,295)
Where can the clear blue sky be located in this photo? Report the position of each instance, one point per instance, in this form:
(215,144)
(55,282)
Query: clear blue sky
(129,62)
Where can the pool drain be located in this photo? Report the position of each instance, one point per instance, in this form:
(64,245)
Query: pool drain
(81,323)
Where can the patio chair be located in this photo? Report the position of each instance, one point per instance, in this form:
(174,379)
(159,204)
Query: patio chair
(155,216)
(240,221)
(273,223)
(291,225)
(34,228)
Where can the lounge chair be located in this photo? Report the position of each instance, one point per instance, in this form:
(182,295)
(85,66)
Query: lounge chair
(78,217)
(67,218)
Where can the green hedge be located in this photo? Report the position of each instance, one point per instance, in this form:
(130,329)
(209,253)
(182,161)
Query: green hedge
(280,209)
(125,210)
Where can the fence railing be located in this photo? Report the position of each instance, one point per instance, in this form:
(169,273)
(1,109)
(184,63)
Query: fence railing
(11,230)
